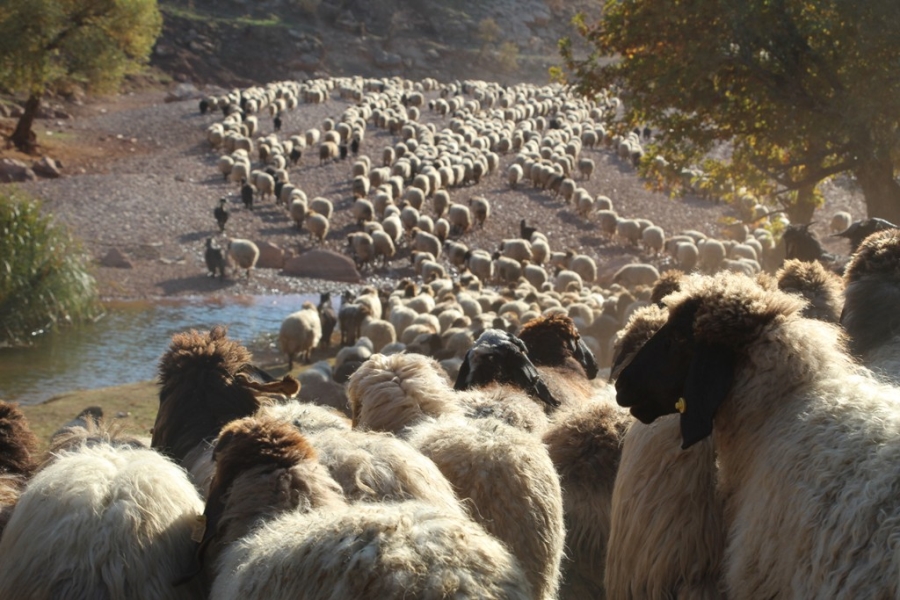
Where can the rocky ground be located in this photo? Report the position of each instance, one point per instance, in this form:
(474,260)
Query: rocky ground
(140,183)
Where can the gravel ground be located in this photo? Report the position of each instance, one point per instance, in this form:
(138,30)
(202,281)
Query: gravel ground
(151,184)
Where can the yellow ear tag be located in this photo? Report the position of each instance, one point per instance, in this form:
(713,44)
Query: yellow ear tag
(681,405)
(198,529)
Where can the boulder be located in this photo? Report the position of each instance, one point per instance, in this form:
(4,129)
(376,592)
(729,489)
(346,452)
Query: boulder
(12,170)
(322,264)
(47,167)
(117,259)
(270,256)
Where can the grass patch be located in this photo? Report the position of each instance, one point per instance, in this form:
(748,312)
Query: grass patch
(135,404)
(192,14)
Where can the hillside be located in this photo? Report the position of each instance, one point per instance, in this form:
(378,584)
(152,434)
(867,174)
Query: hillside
(235,42)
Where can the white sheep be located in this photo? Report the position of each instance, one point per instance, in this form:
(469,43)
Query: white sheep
(297,210)
(299,333)
(244,252)
(636,274)
(806,439)
(653,239)
(323,206)
(389,551)
(317,225)
(102,521)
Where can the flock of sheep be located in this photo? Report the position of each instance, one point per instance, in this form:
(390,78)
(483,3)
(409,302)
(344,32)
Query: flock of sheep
(757,459)
(461,445)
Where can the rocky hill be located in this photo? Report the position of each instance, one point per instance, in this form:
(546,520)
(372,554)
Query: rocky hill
(238,42)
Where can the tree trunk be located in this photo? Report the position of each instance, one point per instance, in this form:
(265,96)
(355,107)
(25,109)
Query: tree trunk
(804,205)
(882,192)
(23,137)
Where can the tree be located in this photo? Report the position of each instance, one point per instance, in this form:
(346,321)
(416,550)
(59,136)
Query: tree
(46,43)
(800,90)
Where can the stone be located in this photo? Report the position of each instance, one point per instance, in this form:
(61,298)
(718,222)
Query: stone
(270,256)
(323,264)
(183,91)
(47,167)
(12,170)
(117,259)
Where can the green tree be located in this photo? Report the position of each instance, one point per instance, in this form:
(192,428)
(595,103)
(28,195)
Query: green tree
(800,90)
(46,43)
(44,281)
(488,32)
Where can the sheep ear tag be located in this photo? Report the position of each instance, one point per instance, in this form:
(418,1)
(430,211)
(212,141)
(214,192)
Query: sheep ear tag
(708,382)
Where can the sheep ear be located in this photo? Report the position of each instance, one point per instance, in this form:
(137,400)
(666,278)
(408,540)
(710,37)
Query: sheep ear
(462,378)
(526,376)
(708,381)
(586,358)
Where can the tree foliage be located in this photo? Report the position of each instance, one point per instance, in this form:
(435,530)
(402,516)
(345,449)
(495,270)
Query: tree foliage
(44,282)
(799,90)
(47,43)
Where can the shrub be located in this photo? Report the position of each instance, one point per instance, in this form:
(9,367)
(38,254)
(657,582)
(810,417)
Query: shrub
(44,282)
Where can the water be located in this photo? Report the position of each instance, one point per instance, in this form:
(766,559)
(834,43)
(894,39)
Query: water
(125,346)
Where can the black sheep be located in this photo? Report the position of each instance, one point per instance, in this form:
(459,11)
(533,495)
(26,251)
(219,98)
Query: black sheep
(204,106)
(328,319)
(276,123)
(296,154)
(221,214)
(247,194)
(525,232)
(354,146)
(860,230)
(215,258)
(342,149)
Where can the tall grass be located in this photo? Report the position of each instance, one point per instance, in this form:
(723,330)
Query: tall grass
(44,280)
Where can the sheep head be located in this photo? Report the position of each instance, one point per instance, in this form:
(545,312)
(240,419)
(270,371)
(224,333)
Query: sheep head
(200,391)
(18,444)
(501,357)
(553,339)
(688,366)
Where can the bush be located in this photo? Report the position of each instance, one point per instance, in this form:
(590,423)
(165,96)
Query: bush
(44,282)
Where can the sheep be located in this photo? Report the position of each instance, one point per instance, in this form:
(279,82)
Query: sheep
(653,239)
(422,241)
(840,221)
(101,521)
(636,274)
(667,519)
(323,206)
(514,493)
(460,219)
(586,167)
(628,230)
(870,301)
(584,443)
(567,280)
(860,230)
(380,332)
(822,288)
(214,258)
(560,356)
(18,458)
(402,549)
(481,209)
(480,264)
(516,249)
(297,210)
(360,186)
(514,176)
(205,381)
(244,252)
(607,221)
(299,333)
(327,319)
(781,388)
(362,248)
(317,225)
(327,151)
(585,267)
(384,246)
(350,318)
(368,466)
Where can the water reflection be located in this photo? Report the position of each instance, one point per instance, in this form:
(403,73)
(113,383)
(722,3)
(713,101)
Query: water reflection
(125,346)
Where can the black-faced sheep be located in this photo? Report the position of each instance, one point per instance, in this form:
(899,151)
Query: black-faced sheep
(778,389)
